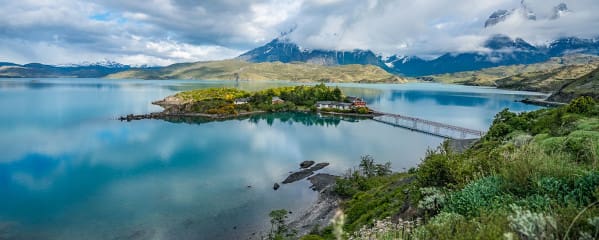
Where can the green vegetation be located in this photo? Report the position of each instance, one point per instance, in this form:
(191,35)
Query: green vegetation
(221,101)
(533,176)
(536,77)
(237,69)
(278,222)
(587,85)
(567,77)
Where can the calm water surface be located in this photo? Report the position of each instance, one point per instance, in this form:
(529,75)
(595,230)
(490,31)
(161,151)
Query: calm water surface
(69,170)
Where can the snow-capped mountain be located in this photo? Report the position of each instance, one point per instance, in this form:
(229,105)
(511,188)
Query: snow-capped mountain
(560,10)
(283,50)
(82,70)
(501,15)
(104,63)
(502,50)
(524,12)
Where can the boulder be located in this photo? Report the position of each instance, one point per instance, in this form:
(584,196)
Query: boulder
(307,164)
(276,186)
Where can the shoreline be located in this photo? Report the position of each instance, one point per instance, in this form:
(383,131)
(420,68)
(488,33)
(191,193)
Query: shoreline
(541,102)
(163,115)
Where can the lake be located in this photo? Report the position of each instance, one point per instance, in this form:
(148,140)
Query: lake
(69,170)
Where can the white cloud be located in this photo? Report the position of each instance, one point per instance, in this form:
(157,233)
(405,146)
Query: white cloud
(168,31)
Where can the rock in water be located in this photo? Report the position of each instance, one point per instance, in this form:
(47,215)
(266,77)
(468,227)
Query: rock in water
(276,186)
(306,164)
(296,176)
(319,166)
(304,173)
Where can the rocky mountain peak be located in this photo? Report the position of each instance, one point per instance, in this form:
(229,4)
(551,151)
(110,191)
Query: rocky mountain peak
(560,10)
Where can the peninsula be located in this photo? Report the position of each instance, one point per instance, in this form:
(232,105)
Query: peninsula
(221,103)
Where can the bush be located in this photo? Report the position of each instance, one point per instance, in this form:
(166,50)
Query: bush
(531,225)
(581,105)
(370,169)
(454,226)
(432,200)
(434,171)
(481,194)
(586,189)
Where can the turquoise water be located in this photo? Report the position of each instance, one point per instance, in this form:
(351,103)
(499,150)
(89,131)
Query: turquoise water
(69,170)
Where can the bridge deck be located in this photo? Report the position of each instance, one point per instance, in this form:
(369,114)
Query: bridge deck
(426,126)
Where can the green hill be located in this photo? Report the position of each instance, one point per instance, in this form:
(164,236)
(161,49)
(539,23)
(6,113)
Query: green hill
(587,85)
(242,70)
(533,176)
(568,67)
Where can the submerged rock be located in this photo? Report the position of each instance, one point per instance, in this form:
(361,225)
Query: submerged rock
(296,176)
(319,166)
(306,164)
(299,175)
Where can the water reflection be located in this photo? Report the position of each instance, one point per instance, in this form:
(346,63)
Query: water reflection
(69,170)
(306,119)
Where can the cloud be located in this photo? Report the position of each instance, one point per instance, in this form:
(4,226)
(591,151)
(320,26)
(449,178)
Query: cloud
(168,31)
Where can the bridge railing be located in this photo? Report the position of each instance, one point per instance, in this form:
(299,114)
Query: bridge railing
(427,126)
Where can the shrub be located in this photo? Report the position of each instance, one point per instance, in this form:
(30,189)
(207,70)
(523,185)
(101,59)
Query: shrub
(434,171)
(370,169)
(483,193)
(581,105)
(454,226)
(584,189)
(584,145)
(432,199)
(530,225)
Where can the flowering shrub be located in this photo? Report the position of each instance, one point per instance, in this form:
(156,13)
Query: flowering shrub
(530,225)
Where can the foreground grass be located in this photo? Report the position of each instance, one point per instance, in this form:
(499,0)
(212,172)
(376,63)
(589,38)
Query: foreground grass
(533,176)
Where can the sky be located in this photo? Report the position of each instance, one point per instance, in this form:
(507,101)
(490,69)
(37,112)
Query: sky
(162,32)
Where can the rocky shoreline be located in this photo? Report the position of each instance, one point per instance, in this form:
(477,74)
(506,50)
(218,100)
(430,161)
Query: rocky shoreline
(164,115)
(542,103)
(320,213)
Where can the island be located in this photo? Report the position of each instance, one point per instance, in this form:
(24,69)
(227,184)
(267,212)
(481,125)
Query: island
(223,103)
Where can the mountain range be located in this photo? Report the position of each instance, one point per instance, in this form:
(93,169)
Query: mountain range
(85,70)
(502,51)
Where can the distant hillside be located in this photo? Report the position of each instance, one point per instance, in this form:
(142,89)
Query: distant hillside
(522,77)
(587,85)
(38,70)
(243,70)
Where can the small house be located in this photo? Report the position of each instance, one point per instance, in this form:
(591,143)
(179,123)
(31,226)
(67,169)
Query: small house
(277,100)
(356,101)
(240,101)
(333,104)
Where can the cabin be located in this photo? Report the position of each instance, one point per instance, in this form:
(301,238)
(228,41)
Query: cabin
(277,100)
(240,101)
(333,104)
(356,101)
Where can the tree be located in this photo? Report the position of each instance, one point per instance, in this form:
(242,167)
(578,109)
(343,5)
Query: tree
(337,94)
(367,166)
